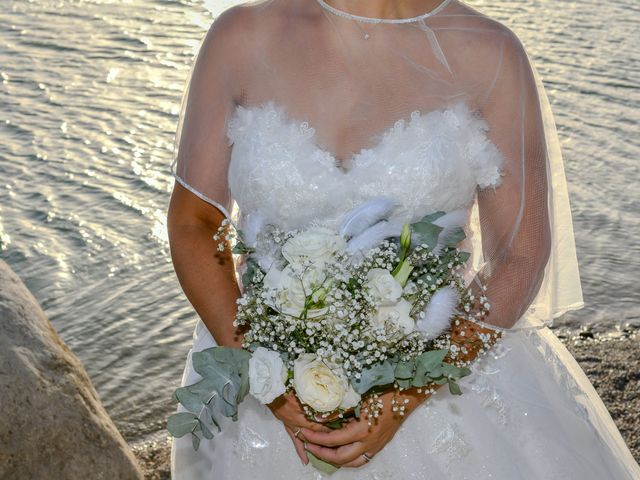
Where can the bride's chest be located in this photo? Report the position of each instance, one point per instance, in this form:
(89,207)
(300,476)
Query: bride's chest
(427,162)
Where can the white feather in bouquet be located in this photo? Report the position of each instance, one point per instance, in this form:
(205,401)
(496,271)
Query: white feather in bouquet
(449,223)
(373,236)
(436,317)
(366,215)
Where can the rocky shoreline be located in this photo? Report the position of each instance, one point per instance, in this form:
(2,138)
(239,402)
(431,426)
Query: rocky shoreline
(612,365)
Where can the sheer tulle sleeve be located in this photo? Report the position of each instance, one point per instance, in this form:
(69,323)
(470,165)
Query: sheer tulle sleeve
(529,267)
(201,154)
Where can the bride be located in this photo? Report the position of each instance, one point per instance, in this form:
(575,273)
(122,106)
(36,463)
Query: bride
(299,110)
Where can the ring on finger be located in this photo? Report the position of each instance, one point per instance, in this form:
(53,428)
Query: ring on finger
(297,432)
(367,458)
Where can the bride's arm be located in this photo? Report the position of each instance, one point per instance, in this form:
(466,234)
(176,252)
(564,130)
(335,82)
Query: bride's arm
(206,275)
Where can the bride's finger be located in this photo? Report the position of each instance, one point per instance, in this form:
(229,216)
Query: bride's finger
(337,456)
(358,462)
(299,445)
(351,432)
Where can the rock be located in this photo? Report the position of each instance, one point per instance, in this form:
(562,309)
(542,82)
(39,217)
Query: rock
(52,425)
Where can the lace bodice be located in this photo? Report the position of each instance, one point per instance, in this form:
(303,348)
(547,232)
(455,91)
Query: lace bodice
(428,162)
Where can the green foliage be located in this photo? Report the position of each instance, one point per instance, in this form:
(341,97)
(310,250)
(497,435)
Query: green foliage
(335,424)
(251,269)
(425,232)
(404,370)
(454,237)
(224,384)
(432,217)
(464,256)
(321,465)
(378,374)
(179,424)
(427,364)
(431,368)
(427,368)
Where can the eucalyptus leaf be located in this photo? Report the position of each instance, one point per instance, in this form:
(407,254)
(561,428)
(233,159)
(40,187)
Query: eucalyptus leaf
(464,256)
(431,359)
(179,424)
(213,357)
(378,374)
(321,465)
(224,383)
(455,236)
(251,267)
(226,373)
(205,391)
(432,217)
(429,367)
(243,371)
(335,424)
(208,434)
(425,233)
(404,383)
(454,388)
(195,440)
(404,370)
(210,410)
(192,396)
(241,248)
(437,371)
(453,371)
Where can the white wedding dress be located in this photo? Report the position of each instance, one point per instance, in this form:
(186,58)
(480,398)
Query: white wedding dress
(443,112)
(527,412)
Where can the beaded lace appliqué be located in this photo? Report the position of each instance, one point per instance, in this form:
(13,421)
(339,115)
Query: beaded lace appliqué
(429,161)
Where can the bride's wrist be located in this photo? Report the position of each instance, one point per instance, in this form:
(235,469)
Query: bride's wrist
(404,402)
(470,339)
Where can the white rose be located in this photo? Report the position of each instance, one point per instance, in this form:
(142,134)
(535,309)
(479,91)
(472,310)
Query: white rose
(316,245)
(267,375)
(322,386)
(396,315)
(384,288)
(288,289)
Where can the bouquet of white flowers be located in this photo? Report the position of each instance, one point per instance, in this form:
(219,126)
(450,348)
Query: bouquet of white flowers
(337,317)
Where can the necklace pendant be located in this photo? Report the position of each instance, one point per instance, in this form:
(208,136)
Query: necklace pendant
(366,36)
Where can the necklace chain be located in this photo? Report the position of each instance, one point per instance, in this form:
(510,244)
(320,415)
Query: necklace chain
(342,13)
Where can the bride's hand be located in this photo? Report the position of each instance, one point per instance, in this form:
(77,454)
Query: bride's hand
(288,410)
(345,446)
